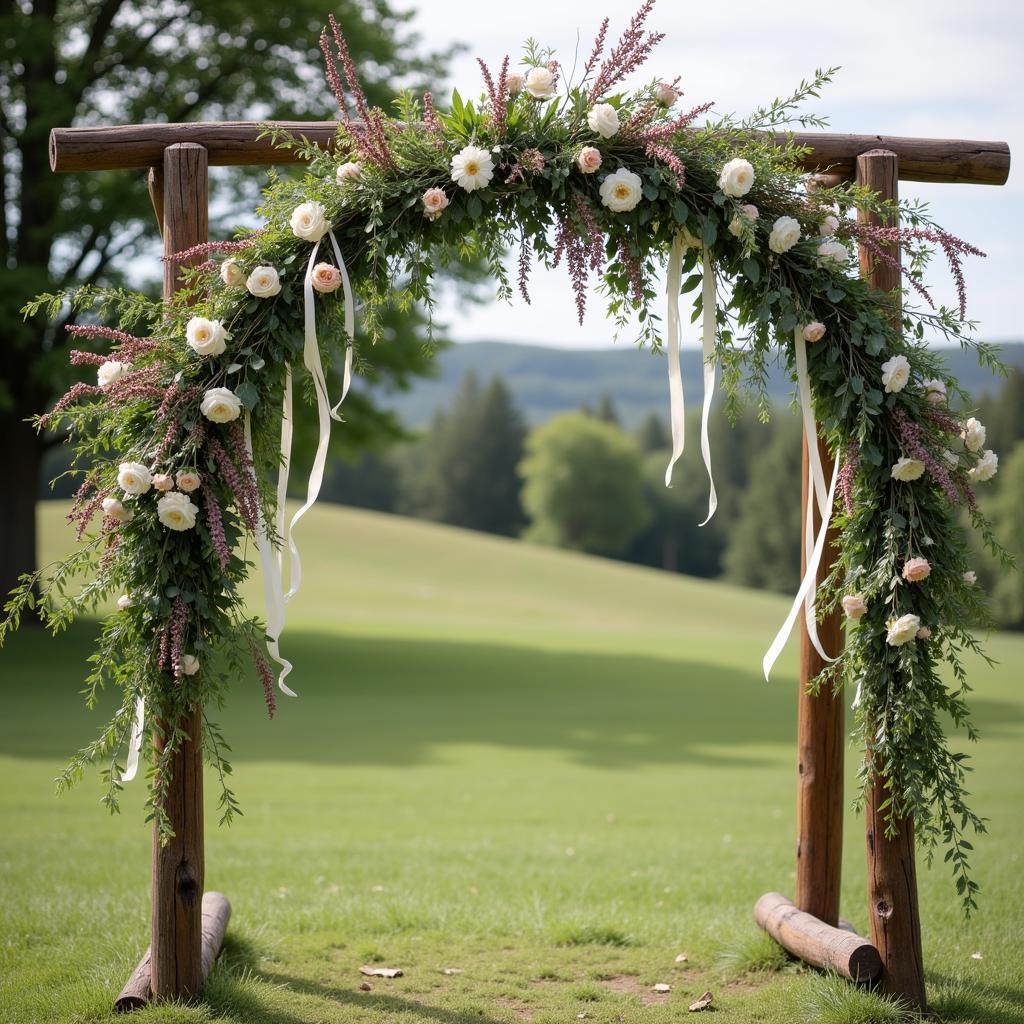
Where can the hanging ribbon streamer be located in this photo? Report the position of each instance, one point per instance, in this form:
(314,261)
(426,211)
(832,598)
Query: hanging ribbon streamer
(709,296)
(135,742)
(673,331)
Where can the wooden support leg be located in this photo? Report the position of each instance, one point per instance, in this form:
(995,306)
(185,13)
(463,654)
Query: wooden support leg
(892,875)
(819,808)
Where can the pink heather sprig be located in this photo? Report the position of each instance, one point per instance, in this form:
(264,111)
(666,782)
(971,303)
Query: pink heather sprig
(84,513)
(595,54)
(636,278)
(524,268)
(176,627)
(333,78)
(570,245)
(628,54)
(492,92)
(95,331)
(431,120)
(113,541)
(73,394)
(215,525)
(138,385)
(657,151)
(666,129)
(944,421)
(266,678)
(79,358)
(501,110)
(164,657)
(207,248)
(638,120)
(848,474)
(170,436)
(233,478)
(595,238)
(910,438)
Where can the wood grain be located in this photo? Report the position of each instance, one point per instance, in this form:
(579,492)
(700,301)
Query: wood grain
(817,943)
(235,143)
(820,732)
(892,874)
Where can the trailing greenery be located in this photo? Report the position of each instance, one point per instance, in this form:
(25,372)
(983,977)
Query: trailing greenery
(526,166)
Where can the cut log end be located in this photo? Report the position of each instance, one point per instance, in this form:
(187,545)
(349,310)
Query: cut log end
(137,993)
(817,943)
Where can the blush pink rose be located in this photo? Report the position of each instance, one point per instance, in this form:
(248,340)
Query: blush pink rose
(326,278)
(916,569)
(924,633)
(163,481)
(435,202)
(188,481)
(854,605)
(814,331)
(588,160)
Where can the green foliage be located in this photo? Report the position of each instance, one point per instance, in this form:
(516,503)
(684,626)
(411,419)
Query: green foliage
(583,485)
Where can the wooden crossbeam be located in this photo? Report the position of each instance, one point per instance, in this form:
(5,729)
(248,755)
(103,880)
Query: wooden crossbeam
(234,143)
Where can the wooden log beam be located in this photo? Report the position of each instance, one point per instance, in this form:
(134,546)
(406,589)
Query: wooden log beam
(216,914)
(235,143)
(892,874)
(817,943)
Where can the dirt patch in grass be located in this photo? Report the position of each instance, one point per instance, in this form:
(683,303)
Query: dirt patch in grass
(630,984)
(523,1013)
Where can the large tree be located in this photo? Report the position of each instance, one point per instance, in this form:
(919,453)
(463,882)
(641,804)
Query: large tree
(77,62)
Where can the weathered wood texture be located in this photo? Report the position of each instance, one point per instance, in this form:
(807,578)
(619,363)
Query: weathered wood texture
(817,943)
(155,185)
(892,874)
(819,746)
(185,205)
(235,142)
(216,914)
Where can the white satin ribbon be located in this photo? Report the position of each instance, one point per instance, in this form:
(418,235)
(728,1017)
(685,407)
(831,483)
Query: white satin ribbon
(673,332)
(805,595)
(709,326)
(135,742)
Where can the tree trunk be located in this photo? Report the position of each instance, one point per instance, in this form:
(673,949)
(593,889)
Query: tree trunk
(23,453)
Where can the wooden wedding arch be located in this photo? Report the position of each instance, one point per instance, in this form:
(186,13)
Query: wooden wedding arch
(188,927)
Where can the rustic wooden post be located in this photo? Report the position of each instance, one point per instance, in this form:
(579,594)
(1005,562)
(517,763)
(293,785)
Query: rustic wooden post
(892,875)
(178,866)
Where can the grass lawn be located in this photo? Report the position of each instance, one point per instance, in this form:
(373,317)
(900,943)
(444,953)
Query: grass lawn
(549,772)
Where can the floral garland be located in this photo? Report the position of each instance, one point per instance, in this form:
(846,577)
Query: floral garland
(179,438)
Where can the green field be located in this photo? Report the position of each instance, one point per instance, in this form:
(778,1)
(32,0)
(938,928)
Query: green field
(551,772)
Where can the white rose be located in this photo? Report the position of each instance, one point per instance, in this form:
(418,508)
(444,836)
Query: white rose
(935,391)
(515,83)
(970,577)
(986,467)
(540,83)
(688,239)
(736,178)
(907,470)
(832,252)
(232,274)
(747,212)
(189,664)
(604,120)
(176,511)
(666,94)
(109,371)
(973,435)
(115,509)
(829,226)
(123,602)
(206,337)
(220,405)
(134,478)
(785,234)
(902,630)
(472,168)
(895,374)
(621,191)
(309,221)
(263,282)
(349,171)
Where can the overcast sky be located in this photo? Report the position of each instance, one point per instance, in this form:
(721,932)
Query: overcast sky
(941,68)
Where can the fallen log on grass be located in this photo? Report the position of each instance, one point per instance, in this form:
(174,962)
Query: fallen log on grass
(817,943)
(216,913)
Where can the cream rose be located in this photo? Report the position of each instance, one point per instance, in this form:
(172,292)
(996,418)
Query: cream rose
(123,602)
(748,213)
(109,371)
(176,511)
(206,337)
(986,467)
(189,665)
(902,630)
(325,278)
(973,435)
(604,120)
(349,171)
(916,569)
(907,470)
(435,202)
(309,221)
(540,83)
(832,252)
(814,331)
(736,178)
(785,234)
(263,282)
(189,481)
(854,606)
(515,82)
(588,160)
(688,239)
(114,509)
(134,478)
(220,405)
(970,577)
(163,481)
(666,93)
(232,274)
(472,168)
(895,374)
(935,391)
(829,226)
(621,190)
